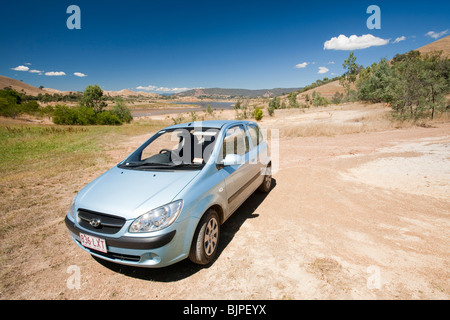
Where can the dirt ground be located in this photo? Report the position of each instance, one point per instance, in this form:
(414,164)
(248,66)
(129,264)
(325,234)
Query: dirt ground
(350,216)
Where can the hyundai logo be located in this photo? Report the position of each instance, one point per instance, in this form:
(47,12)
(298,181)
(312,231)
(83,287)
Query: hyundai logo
(95,222)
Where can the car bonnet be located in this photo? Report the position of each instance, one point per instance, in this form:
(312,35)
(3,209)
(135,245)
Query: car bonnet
(131,193)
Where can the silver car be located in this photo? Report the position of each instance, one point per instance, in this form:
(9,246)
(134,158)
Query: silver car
(167,200)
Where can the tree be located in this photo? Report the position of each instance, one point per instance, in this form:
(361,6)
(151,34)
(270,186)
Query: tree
(419,84)
(436,80)
(349,77)
(93,98)
(373,82)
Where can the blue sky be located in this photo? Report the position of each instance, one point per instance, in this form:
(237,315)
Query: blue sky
(162,46)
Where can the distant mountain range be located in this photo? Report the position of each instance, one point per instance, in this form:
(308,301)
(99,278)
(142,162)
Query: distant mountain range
(235,93)
(196,93)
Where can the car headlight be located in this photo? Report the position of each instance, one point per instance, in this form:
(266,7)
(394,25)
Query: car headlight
(158,218)
(72,212)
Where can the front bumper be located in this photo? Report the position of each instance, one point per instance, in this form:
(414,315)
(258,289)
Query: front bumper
(134,251)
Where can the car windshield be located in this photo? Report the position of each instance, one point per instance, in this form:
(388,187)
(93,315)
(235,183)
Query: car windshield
(182,148)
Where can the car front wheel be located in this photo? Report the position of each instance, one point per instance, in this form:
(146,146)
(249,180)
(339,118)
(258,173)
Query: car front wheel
(206,238)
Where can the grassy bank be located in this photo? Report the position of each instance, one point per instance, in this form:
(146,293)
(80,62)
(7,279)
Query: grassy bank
(42,167)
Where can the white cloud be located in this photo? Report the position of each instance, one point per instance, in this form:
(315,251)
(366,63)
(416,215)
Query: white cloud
(148,88)
(55,73)
(21,68)
(79,74)
(353,42)
(162,89)
(28,64)
(36,71)
(301,65)
(323,70)
(436,35)
(397,40)
(331,62)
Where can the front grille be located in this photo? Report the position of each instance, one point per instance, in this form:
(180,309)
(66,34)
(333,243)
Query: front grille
(108,224)
(118,256)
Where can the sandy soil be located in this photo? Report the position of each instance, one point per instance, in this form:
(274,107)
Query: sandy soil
(351,216)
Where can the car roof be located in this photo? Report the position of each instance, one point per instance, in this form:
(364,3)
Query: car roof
(208,124)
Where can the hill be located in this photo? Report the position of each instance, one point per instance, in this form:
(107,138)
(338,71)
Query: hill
(28,89)
(19,86)
(329,89)
(220,93)
(438,45)
(129,93)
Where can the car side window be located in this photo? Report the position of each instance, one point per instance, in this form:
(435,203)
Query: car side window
(255,134)
(235,141)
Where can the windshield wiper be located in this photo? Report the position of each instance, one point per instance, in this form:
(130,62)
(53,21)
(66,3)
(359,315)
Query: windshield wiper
(161,165)
(186,165)
(143,164)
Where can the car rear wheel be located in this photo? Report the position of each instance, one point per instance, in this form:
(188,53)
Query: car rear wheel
(267,182)
(206,238)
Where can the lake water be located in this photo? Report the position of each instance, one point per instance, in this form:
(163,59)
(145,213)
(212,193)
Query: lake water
(214,104)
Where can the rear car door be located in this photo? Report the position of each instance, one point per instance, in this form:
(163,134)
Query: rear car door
(236,176)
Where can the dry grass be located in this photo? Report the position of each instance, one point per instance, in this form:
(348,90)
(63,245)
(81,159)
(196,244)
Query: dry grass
(41,170)
(342,119)
(42,167)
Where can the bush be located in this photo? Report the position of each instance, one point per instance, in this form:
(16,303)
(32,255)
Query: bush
(82,115)
(64,115)
(10,103)
(107,118)
(319,100)
(258,114)
(275,103)
(30,107)
(337,98)
(121,111)
(293,100)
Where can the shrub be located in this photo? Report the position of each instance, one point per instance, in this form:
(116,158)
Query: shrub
(65,115)
(107,118)
(275,103)
(293,100)
(337,98)
(83,115)
(258,114)
(319,100)
(121,111)
(30,107)
(209,110)
(8,107)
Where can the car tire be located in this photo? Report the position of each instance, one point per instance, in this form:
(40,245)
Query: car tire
(206,238)
(267,182)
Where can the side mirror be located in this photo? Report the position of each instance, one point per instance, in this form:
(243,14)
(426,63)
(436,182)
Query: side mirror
(232,160)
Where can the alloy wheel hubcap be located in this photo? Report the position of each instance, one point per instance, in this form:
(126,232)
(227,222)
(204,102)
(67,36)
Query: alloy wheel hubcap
(211,236)
(268,181)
